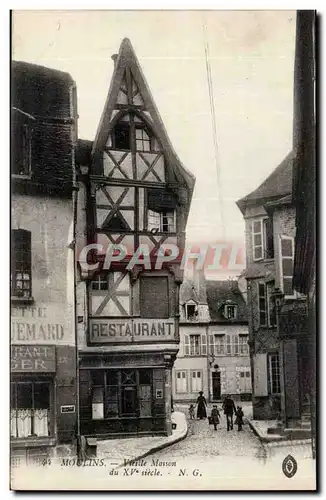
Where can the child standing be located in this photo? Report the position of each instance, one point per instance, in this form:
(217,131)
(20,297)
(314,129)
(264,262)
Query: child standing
(191,412)
(239,418)
(215,417)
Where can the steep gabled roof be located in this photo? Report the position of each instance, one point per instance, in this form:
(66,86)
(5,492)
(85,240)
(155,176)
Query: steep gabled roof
(218,293)
(277,185)
(127,58)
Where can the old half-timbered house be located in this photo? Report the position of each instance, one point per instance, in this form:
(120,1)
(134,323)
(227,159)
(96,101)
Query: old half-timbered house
(133,192)
(43,350)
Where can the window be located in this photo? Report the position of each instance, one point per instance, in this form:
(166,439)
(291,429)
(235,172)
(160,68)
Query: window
(217,345)
(143,142)
(154,297)
(262,304)
(121,393)
(181,385)
(257,237)
(263,239)
(22,150)
(195,345)
(286,265)
(100,282)
(243,345)
(230,311)
(196,381)
(21,271)
(268,238)
(162,221)
(235,343)
(30,409)
(191,312)
(121,136)
(274,374)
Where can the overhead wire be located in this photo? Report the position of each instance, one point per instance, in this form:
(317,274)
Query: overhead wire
(214,126)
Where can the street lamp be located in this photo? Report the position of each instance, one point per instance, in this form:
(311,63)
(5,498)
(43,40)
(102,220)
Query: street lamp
(278,297)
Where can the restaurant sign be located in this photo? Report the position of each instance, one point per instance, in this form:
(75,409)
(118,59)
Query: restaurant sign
(104,331)
(32,358)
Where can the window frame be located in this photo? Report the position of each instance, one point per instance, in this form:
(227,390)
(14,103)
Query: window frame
(284,237)
(195,315)
(263,233)
(185,372)
(122,125)
(192,388)
(160,215)
(21,244)
(243,342)
(148,140)
(271,384)
(235,311)
(33,380)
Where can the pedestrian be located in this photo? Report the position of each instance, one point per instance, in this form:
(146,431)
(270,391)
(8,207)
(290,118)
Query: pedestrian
(191,412)
(201,406)
(229,408)
(239,418)
(215,417)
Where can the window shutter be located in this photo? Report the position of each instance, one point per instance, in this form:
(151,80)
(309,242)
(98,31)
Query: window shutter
(211,344)
(203,345)
(260,375)
(262,304)
(154,301)
(186,345)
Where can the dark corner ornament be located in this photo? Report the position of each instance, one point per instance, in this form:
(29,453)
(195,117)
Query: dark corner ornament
(289,466)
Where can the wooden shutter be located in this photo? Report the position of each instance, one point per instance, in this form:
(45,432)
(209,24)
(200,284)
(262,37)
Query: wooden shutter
(260,375)
(186,345)
(262,304)
(211,344)
(154,298)
(203,345)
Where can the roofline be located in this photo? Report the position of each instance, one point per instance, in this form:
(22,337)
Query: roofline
(62,74)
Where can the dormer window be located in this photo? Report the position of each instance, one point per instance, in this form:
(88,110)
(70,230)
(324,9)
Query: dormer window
(191,312)
(230,311)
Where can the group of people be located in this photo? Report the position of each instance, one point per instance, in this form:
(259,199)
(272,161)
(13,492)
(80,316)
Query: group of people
(228,407)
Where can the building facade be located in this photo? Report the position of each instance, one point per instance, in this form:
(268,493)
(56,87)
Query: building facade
(133,193)
(43,356)
(275,333)
(214,352)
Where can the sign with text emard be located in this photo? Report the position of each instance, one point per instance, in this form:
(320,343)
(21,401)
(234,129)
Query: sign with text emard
(32,358)
(104,331)
(42,324)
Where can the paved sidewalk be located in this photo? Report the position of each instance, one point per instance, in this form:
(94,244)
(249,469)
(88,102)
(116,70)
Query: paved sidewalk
(116,451)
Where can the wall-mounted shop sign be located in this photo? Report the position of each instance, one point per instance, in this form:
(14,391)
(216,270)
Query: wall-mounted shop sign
(44,324)
(32,358)
(68,409)
(131,330)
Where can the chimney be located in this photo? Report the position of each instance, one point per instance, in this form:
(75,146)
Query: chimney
(114,58)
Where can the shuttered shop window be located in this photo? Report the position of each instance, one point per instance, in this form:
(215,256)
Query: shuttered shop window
(154,297)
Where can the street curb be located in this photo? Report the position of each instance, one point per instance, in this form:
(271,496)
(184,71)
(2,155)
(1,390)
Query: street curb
(156,448)
(282,441)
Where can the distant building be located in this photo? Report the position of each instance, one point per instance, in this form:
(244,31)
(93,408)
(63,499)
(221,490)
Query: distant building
(277,353)
(43,361)
(214,354)
(133,191)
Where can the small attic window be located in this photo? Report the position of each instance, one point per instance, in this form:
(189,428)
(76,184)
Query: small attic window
(230,311)
(191,312)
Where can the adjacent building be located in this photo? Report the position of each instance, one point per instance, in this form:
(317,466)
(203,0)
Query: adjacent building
(214,352)
(43,361)
(276,329)
(133,192)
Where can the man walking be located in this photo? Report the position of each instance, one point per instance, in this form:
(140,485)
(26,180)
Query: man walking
(229,408)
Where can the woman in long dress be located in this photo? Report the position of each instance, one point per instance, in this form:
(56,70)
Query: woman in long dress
(201,406)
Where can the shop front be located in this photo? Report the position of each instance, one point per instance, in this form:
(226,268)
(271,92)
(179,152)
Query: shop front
(125,389)
(42,388)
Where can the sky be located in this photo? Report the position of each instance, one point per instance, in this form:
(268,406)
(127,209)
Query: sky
(251,56)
